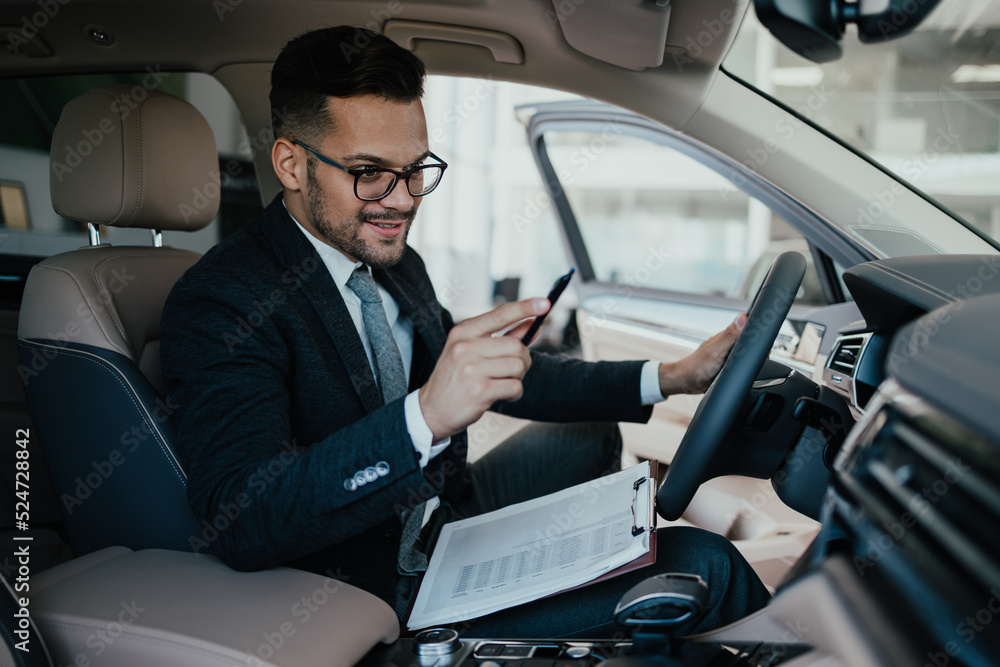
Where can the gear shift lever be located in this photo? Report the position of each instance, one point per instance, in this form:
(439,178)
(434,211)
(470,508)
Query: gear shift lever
(658,607)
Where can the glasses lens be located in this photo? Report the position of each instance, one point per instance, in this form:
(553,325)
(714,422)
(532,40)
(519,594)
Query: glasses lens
(374,184)
(424,180)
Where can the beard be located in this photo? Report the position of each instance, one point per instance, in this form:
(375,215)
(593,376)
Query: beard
(345,234)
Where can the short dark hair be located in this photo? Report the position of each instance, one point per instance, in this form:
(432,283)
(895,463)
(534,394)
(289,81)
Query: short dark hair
(340,62)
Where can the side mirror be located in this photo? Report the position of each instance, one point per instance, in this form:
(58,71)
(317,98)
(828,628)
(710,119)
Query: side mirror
(814,28)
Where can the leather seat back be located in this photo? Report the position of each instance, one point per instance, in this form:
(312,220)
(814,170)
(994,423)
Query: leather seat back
(88,332)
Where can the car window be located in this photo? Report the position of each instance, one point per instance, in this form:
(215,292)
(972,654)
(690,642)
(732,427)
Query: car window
(651,216)
(489,232)
(924,107)
(31,107)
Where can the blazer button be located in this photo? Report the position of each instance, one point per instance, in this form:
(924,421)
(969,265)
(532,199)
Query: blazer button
(370,474)
(350,484)
(359,478)
(390,535)
(382,468)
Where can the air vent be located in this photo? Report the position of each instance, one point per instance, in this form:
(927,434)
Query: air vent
(845,358)
(844,366)
(920,491)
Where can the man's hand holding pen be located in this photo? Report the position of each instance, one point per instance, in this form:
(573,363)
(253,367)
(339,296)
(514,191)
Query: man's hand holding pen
(476,368)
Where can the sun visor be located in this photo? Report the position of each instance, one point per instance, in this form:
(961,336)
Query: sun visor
(627,33)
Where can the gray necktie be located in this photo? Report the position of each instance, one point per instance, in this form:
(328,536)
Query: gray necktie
(392,382)
(388,362)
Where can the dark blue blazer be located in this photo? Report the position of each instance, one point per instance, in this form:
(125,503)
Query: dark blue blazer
(277,407)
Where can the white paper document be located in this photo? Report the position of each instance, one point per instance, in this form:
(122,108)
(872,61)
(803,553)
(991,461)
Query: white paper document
(533,549)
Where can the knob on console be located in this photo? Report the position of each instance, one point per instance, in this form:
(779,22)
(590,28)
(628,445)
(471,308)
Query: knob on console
(657,609)
(436,642)
(662,603)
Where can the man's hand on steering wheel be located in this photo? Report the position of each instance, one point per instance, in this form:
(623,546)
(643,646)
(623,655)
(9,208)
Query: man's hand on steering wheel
(694,373)
(718,410)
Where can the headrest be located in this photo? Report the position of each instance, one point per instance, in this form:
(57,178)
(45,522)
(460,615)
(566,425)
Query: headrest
(127,156)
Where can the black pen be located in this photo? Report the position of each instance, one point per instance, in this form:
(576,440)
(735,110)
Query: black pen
(554,294)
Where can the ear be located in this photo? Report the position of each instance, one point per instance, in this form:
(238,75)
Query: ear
(291,170)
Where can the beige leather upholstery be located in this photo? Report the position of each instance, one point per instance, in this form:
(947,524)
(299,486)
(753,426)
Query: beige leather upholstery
(124,159)
(156,607)
(89,327)
(127,156)
(106,297)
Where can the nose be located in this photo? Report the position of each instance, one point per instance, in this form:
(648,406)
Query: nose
(400,198)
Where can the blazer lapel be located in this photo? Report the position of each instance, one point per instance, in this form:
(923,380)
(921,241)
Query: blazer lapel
(295,253)
(426,324)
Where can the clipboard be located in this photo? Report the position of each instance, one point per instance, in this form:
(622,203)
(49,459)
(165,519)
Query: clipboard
(500,560)
(643,485)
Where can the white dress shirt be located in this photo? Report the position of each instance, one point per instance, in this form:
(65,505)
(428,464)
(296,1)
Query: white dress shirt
(341,268)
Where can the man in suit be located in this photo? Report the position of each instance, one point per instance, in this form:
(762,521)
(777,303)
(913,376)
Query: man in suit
(324,392)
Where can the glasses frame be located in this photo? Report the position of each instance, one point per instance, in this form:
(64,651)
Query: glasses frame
(357,172)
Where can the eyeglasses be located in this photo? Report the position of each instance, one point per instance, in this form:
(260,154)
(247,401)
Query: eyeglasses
(373,183)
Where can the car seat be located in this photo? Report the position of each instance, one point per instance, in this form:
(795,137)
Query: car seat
(88,332)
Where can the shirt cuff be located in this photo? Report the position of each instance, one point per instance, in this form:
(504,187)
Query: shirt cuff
(649,383)
(420,432)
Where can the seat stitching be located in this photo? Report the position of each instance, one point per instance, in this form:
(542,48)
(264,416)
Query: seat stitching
(933,288)
(112,312)
(116,374)
(72,277)
(914,283)
(141,166)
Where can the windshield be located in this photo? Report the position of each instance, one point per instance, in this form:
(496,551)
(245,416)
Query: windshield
(926,106)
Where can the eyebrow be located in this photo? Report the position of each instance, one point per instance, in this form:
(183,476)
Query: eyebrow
(381,161)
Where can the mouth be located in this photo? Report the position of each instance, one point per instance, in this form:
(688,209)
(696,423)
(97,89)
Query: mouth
(386,230)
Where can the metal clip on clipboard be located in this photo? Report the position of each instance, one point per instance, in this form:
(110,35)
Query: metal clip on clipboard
(636,528)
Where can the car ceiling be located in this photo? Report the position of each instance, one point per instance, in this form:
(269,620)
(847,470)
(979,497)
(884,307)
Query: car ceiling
(213,36)
(237,40)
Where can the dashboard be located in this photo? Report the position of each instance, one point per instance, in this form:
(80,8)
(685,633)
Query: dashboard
(846,347)
(908,522)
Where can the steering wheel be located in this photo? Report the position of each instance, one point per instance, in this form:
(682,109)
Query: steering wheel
(721,405)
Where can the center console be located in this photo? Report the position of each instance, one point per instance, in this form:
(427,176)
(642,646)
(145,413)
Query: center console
(424,650)
(442,647)
(649,615)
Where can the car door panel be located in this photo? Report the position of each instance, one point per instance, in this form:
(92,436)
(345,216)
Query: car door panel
(666,261)
(622,187)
